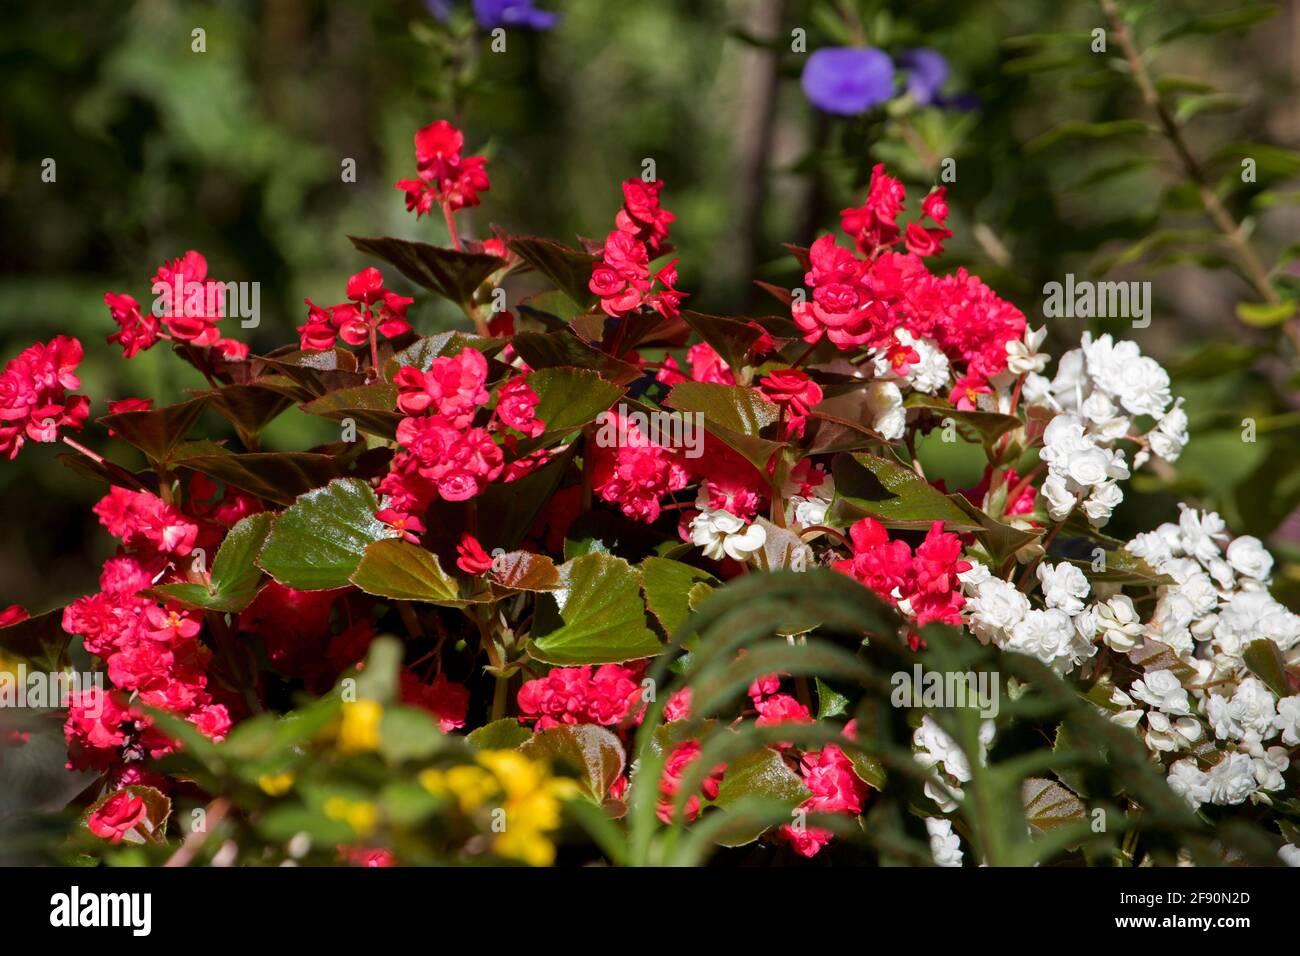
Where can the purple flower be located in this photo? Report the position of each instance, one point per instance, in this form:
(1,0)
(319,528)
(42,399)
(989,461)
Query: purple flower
(927,71)
(847,80)
(441,9)
(491,14)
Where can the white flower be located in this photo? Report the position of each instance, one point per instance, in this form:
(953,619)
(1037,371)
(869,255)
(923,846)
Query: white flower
(1060,500)
(1290,855)
(809,511)
(930,372)
(1232,779)
(1163,690)
(1064,586)
(1023,356)
(1270,764)
(996,607)
(1288,720)
(1189,782)
(721,534)
(1119,624)
(1251,710)
(1169,437)
(1102,502)
(1047,635)
(1164,735)
(1249,559)
(1152,547)
(945,846)
(1248,615)
(1200,532)
(885,403)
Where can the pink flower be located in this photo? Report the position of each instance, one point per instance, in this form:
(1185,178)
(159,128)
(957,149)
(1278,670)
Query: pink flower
(408,527)
(681,757)
(641,215)
(636,474)
(13,614)
(835,789)
(117,816)
(453,387)
(34,403)
(517,407)
(574,695)
(796,393)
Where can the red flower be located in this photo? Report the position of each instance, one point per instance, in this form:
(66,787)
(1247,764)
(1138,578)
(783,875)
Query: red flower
(446,177)
(407,526)
(34,403)
(117,816)
(472,558)
(517,406)
(13,614)
(796,393)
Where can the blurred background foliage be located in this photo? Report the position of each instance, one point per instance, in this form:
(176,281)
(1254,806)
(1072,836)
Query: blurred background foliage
(1060,168)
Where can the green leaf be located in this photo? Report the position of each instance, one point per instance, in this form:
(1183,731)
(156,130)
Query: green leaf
(1079,129)
(235,577)
(549,349)
(378,679)
(408,733)
(732,338)
(372,407)
(974,425)
(1264,658)
(1264,315)
(421,353)
(1049,804)
(1212,23)
(568,399)
(452,274)
(318,542)
(667,585)
(251,407)
(1120,567)
(568,269)
(525,571)
(317,372)
(592,751)
(396,568)
(830,702)
(598,617)
(157,431)
(761,773)
(868,486)
(274,476)
(503,734)
(734,407)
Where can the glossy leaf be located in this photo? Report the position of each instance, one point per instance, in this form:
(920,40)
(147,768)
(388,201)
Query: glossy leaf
(450,273)
(598,617)
(318,542)
(396,568)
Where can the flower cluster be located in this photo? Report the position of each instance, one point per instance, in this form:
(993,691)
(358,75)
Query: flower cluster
(370,310)
(188,307)
(34,399)
(443,454)
(446,177)
(621,277)
(1100,390)
(922,584)
(151,648)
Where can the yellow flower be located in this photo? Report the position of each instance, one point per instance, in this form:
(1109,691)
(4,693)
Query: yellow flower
(359,731)
(275,784)
(360,815)
(532,806)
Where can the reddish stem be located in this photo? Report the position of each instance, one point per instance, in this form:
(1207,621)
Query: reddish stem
(451,226)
